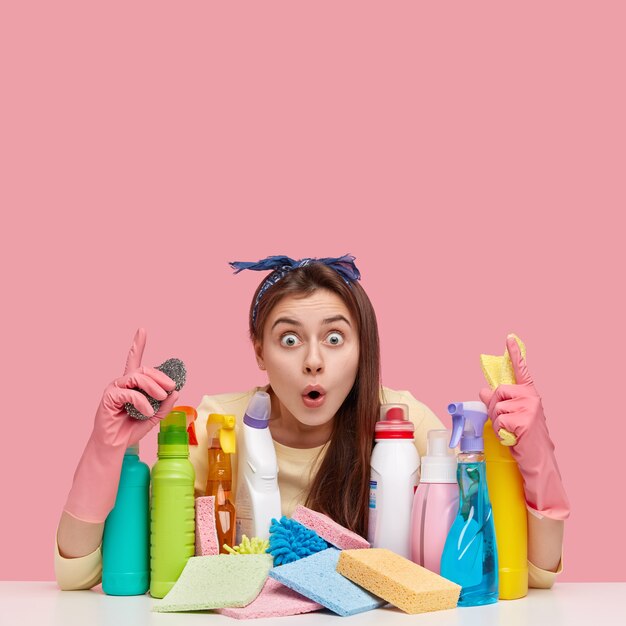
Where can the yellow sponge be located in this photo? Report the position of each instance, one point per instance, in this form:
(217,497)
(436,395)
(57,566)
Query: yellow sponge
(397,580)
(498,370)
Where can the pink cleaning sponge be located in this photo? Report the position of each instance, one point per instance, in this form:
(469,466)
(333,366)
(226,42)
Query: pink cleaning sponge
(335,534)
(206,535)
(275,600)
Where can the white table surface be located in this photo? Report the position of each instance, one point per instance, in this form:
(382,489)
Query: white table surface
(571,604)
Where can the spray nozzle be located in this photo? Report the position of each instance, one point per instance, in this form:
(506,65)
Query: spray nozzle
(468,422)
(224,427)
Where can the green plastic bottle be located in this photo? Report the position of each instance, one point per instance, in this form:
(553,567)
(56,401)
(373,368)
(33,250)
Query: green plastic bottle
(172,523)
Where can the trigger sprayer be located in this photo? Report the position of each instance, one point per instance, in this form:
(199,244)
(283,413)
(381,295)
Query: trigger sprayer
(468,423)
(470,556)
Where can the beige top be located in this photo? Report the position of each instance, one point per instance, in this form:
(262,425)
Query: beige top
(296,468)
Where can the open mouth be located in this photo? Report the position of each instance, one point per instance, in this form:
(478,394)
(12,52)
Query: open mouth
(314,398)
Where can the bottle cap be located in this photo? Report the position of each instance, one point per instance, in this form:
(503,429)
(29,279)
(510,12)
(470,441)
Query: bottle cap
(258,412)
(173,429)
(192,415)
(439,464)
(132,450)
(394,423)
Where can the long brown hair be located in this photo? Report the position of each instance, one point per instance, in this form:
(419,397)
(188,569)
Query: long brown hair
(340,488)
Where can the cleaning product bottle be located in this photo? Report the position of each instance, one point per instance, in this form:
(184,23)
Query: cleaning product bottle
(470,554)
(126,538)
(506,488)
(435,503)
(258,496)
(221,438)
(393,479)
(172,527)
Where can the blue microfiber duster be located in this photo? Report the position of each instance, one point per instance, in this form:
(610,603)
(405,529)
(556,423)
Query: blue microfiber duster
(290,541)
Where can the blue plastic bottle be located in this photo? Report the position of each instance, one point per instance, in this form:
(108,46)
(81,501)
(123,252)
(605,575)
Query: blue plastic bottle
(470,554)
(126,539)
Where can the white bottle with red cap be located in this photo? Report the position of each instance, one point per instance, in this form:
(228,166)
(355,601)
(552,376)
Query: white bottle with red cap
(393,480)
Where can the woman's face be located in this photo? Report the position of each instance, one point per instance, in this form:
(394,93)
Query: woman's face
(310,350)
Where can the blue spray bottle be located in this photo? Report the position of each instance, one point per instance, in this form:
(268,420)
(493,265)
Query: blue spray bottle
(470,554)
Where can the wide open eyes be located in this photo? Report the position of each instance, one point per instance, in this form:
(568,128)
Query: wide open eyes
(335,339)
(289,340)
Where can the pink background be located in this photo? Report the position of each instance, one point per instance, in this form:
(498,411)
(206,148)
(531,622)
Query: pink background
(471,156)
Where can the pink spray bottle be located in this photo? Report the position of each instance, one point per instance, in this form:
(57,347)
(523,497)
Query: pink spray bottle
(436,502)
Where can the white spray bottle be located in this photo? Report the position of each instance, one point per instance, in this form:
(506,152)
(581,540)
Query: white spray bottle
(258,497)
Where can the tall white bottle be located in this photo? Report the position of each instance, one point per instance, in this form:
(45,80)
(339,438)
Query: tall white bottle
(258,497)
(394,465)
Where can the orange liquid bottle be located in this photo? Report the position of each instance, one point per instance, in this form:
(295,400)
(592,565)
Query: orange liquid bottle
(221,435)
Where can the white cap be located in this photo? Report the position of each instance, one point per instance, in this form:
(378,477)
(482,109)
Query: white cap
(439,464)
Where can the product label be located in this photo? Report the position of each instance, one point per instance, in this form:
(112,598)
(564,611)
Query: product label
(243,508)
(371,529)
(243,502)
(373,487)
(243,527)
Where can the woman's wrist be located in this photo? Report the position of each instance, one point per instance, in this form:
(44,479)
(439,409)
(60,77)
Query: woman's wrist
(545,542)
(76,538)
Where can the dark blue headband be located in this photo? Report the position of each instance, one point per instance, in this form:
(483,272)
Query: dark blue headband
(281,265)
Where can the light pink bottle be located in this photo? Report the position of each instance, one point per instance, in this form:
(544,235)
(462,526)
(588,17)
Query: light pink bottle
(436,502)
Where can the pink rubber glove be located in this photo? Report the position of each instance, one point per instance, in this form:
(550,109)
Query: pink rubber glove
(94,489)
(517,408)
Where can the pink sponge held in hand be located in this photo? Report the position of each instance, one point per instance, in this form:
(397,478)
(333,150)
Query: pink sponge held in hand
(329,530)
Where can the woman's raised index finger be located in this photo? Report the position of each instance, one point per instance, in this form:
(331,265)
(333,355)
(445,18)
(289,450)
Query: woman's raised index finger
(135,354)
(520,369)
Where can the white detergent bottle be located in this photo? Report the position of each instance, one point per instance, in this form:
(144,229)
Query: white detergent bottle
(258,497)
(393,479)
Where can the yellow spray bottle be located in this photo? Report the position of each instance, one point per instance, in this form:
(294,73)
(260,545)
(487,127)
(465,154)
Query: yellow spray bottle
(506,489)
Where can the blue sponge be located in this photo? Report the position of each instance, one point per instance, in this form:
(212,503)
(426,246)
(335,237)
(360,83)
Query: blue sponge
(316,578)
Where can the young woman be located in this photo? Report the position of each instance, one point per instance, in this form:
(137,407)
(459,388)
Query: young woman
(314,332)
